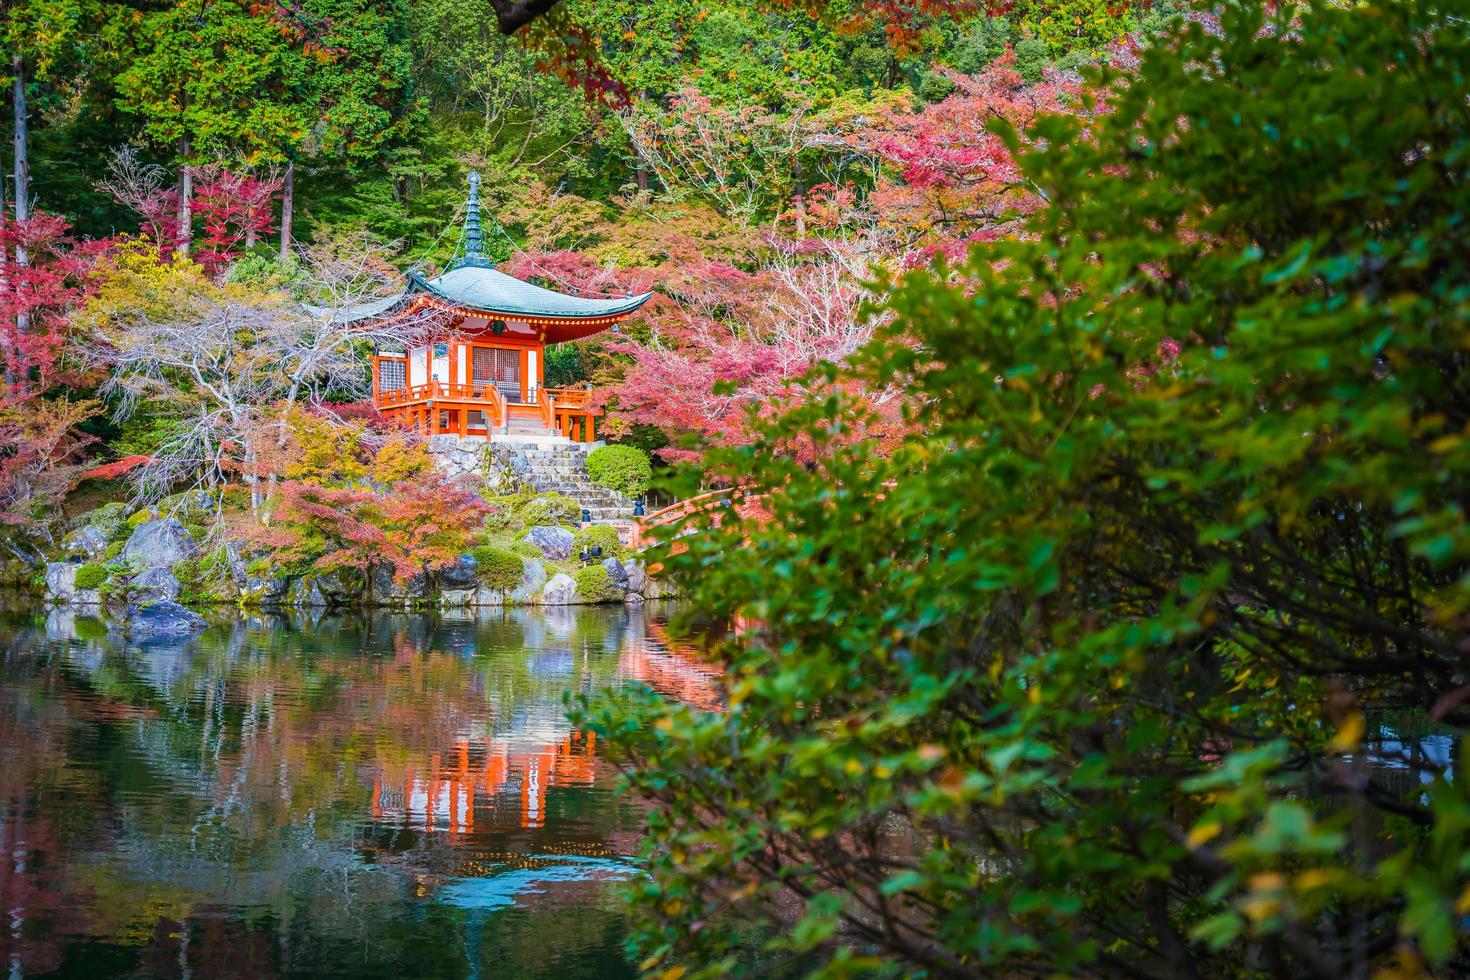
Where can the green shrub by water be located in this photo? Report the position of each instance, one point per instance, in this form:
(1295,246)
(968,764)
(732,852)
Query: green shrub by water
(622,468)
(594,584)
(497,567)
(91,576)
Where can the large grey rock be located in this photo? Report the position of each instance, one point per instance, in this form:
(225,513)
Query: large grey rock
(267,591)
(616,572)
(158,544)
(636,575)
(164,618)
(555,542)
(486,596)
(388,591)
(306,591)
(89,541)
(155,584)
(533,579)
(61,585)
(325,590)
(239,564)
(463,574)
(560,591)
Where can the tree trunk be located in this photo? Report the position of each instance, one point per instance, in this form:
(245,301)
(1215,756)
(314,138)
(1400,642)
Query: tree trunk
(800,195)
(288,200)
(22,151)
(186,200)
(5,266)
(641,169)
(21,148)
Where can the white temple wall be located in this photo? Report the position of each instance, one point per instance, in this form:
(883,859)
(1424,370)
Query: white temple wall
(416,364)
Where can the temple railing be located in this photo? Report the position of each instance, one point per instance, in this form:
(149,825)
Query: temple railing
(570,398)
(486,396)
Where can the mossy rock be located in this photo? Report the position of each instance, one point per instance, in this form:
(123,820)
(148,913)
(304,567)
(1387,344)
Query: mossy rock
(594,584)
(138,518)
(190,507)
(114,550)
(205,579)
(111,520)
(552,508)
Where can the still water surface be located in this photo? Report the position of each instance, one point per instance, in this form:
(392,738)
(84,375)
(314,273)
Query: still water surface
(373,795)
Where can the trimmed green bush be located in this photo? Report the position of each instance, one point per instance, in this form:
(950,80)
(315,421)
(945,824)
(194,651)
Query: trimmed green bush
(526,549)
(599,536)
(496,567)
(594,584)
(625,469)
(91,576)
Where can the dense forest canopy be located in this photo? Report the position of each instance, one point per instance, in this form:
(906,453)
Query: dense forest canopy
(754,162)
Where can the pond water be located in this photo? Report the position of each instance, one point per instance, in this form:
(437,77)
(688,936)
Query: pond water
(371,795)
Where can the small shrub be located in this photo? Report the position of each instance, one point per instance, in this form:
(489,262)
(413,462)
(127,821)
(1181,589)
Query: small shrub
(933,86)
(91,576)
(551,508)
(621,468)
(497,568)
(602,536)
(1032,58)
(594,584)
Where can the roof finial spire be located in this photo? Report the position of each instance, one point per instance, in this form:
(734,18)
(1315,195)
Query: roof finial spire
(473,241)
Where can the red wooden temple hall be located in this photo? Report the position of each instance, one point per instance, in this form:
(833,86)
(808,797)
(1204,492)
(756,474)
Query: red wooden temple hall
(485,377)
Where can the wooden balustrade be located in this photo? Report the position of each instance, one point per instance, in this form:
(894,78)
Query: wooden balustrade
(485,397)
(570,397)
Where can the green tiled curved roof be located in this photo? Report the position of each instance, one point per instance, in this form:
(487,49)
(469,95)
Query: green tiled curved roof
(492,291)
(473,283)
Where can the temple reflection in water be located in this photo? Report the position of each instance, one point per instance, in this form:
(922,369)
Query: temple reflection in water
(355,795)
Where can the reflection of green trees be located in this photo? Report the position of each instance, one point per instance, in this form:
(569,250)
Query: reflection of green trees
(236,769)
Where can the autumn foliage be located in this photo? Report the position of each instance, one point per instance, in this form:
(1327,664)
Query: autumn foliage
(348,508)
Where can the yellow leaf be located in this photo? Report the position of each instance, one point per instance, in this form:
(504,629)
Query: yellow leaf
(1316,878)
(1349,735)
(1203,834)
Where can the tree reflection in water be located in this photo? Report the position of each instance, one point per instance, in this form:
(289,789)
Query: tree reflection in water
(363,795)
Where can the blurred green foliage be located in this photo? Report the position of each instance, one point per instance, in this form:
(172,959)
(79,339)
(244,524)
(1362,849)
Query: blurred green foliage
(1133,658)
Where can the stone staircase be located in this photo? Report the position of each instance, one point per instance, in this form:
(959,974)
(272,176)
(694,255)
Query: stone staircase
(555,464)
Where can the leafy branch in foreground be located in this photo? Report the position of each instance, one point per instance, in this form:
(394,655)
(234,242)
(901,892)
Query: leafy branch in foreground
(1145,654)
